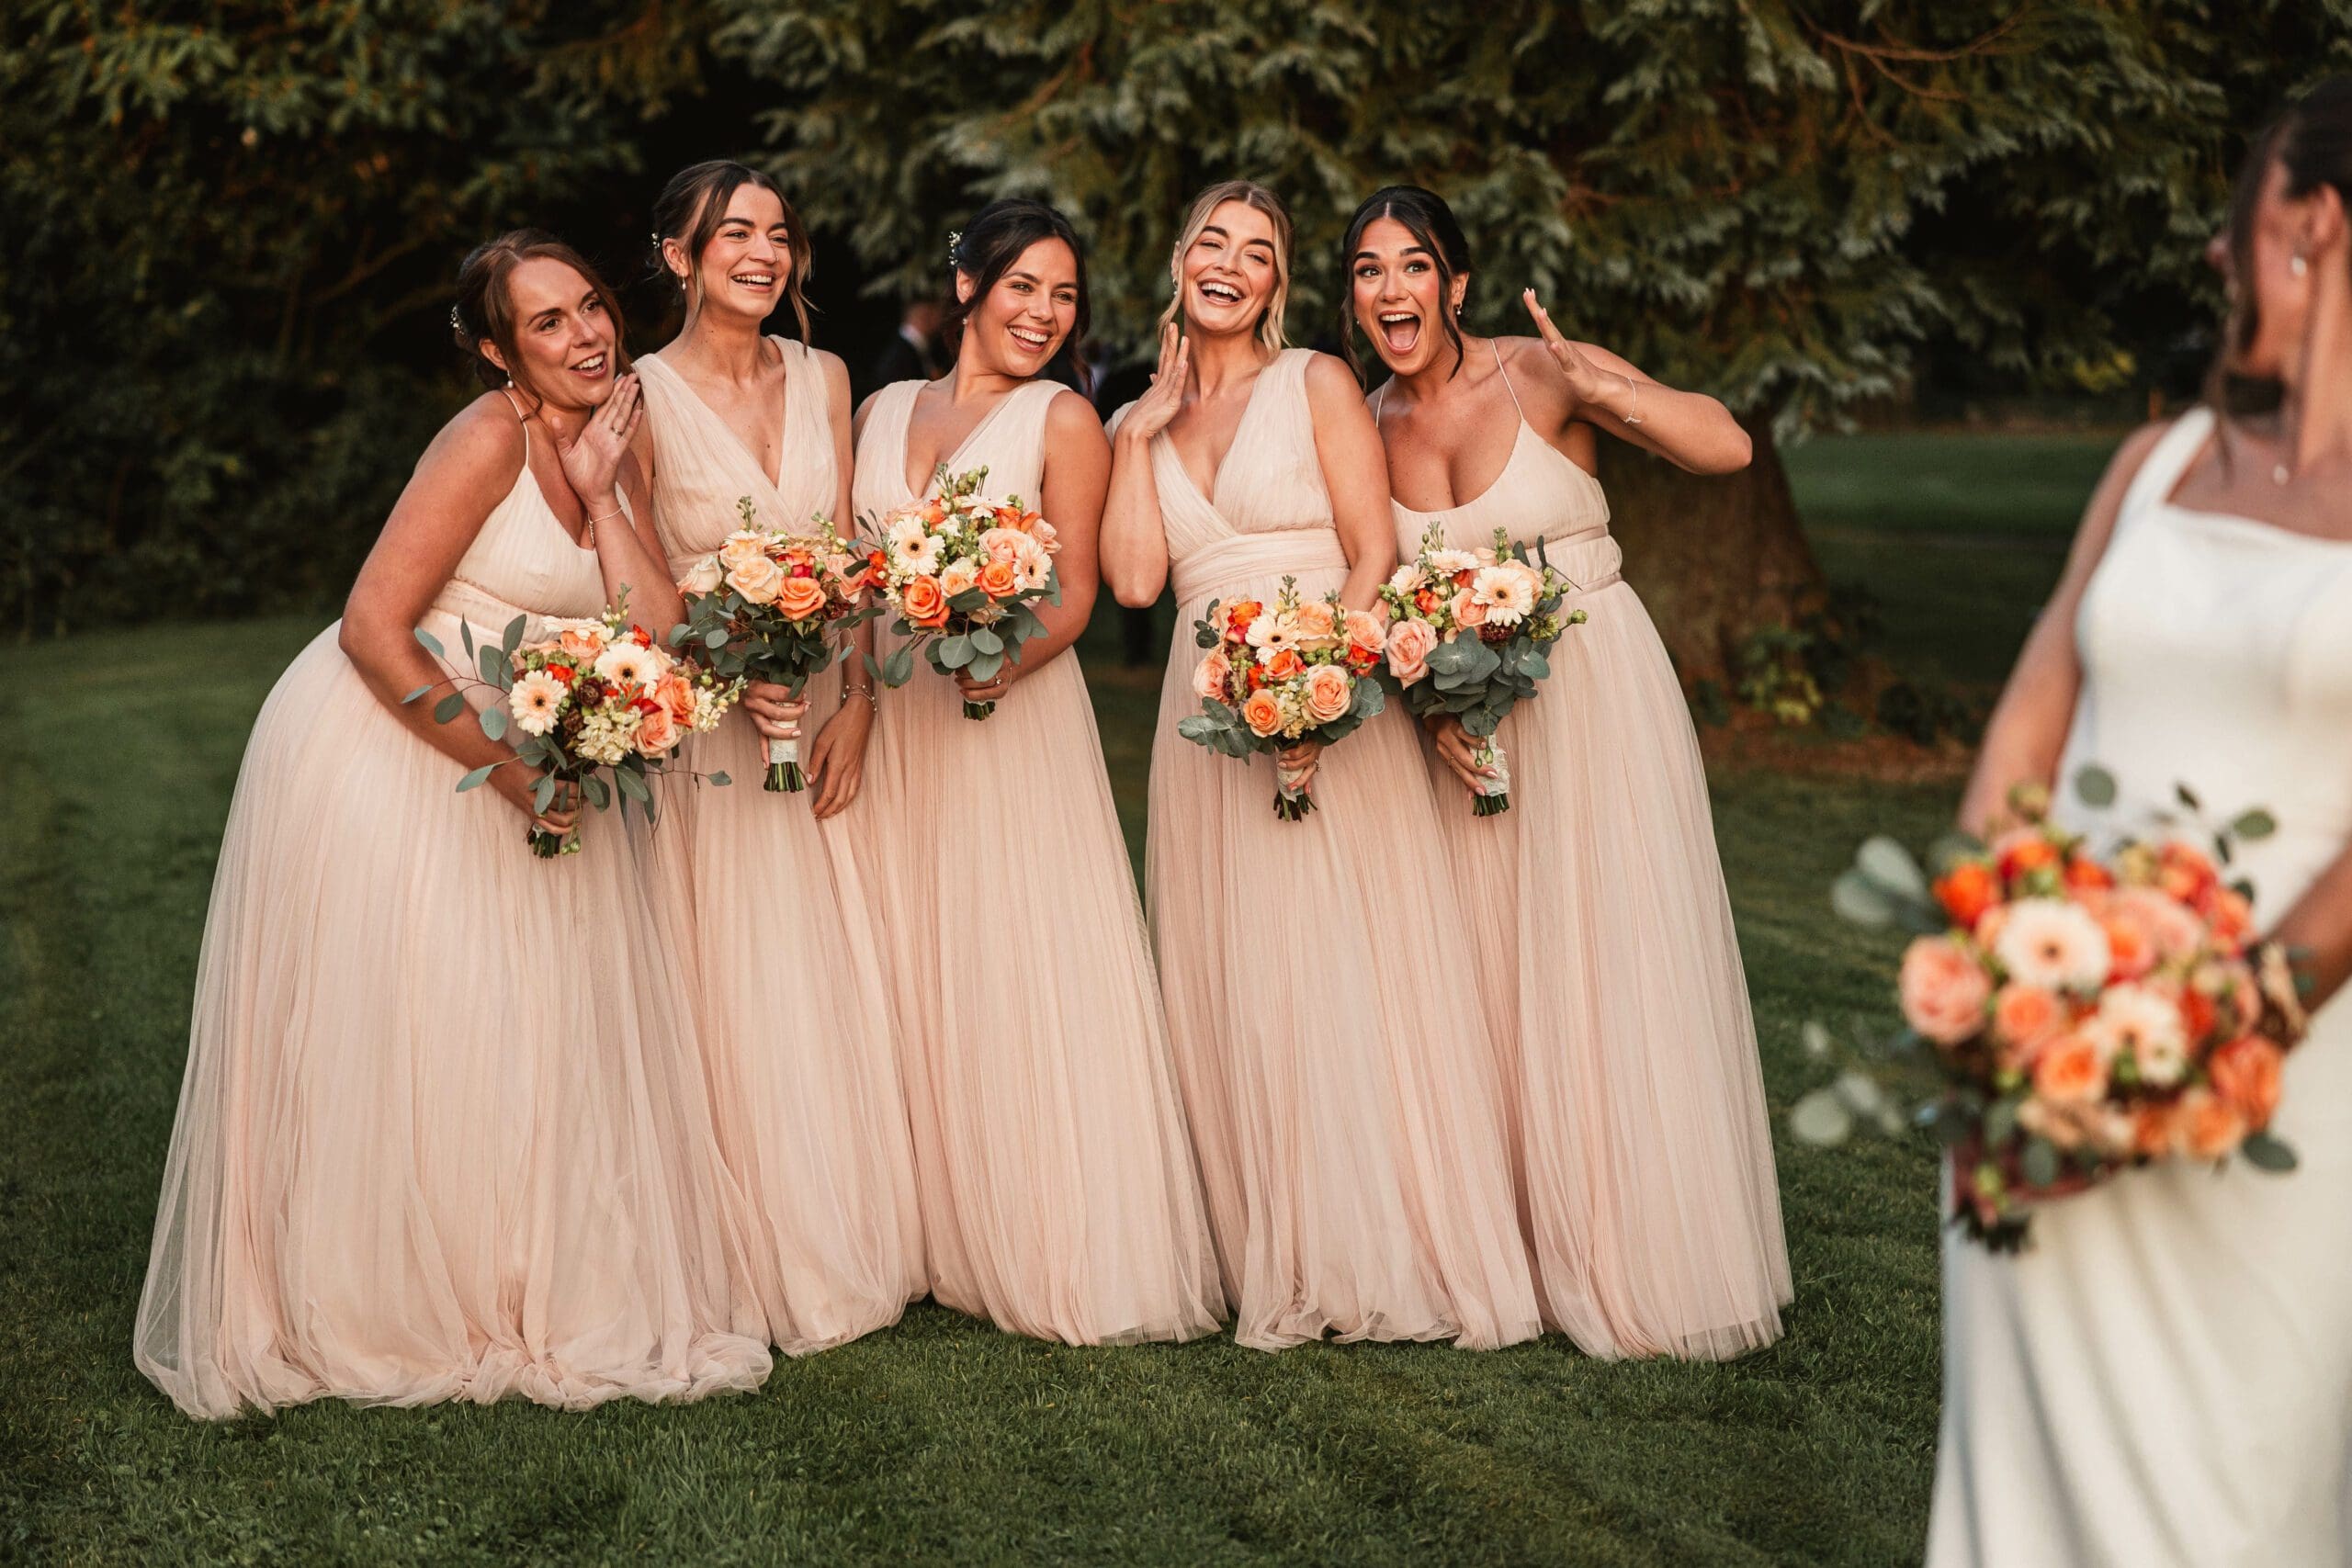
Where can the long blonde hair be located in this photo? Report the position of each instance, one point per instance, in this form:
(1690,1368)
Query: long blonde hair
(1250,193)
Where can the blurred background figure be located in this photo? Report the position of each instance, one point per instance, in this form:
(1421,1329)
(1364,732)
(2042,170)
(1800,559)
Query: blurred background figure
(911,355)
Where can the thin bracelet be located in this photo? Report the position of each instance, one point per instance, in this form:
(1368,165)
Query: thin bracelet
(866,691)
(1632,414)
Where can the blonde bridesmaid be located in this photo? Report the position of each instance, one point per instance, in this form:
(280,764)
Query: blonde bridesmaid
(442,1134)
(766,896)
(1348,1110)
(1058,1194)
(1602,933)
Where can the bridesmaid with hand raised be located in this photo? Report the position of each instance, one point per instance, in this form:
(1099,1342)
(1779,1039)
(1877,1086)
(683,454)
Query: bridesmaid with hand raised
(1058,1194)
(443,1131)
(761,890)
(1347,1106)
(1599,923)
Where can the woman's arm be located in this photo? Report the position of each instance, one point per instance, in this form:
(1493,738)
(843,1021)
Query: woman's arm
(471,464)
(1078,474)
(1355,473)
(837,757)
(598,463)
(1689,430)
(1134,537)
(2028,730)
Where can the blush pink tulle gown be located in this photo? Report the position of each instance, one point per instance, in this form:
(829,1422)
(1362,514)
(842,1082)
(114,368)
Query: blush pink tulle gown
(1344,1094)
(1604,945)
(779,930)
(443,1131)
(1058,1194)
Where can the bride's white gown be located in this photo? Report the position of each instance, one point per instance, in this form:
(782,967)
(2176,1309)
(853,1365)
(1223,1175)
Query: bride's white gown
(2165,1376)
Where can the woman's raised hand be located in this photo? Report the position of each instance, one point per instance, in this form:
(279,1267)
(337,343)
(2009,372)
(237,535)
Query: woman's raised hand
(1586,379)
(592,459)
(1165,398)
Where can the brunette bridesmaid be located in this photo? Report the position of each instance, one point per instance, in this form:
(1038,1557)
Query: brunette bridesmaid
(764,894)
(442,1134)
(1058,1189)
(1344,1095)
(1603,934)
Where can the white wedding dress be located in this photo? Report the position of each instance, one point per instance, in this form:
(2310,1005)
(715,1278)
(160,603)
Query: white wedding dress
(2165,1376)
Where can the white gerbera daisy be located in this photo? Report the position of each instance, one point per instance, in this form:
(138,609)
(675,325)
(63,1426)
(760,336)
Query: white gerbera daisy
(1269,635)
(1445,563)
(536,701)
(625,665)
(1509,592)
(2146,1023)
(1409,577)
(2053,943)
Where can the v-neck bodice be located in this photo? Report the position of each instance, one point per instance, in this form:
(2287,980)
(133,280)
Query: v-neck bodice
(524,561)
(702,470)
(1009,441)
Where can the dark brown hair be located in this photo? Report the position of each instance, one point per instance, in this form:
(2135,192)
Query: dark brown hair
(485,306)
(2313,140)
(693,204)
(1432,224)
(989,246)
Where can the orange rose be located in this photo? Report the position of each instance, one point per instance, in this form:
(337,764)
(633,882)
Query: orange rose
(2024,850)
(2210,1126)
(2084,873)
(923,604)
(2185,871)
(581,645)
(933,513)
(2197,1013)
(1967,891)
(1262,713)
(2245,1075)
(1943,991)
(2233,917)
(676,693)
(1329,692)
(800,598)
(996,580)
(1284,665)
(656,732)
(878,569)
(2069,1072)
(2130,948)
(2154,1131)
(2027,1018)
(1365,632)
(1467,611)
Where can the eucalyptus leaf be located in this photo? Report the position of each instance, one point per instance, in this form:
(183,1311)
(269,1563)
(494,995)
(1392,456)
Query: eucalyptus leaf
(493,721)
(1821,1119)
(1860,900)
(418,693)
(2254,824)
(632,785)
(514,637)
(1889,865)
(715,639)
(476,777)
(448,707)
(2095,787)
(432,644)
(720,780)
(2039,1162)
(2266,1153)
(466,636)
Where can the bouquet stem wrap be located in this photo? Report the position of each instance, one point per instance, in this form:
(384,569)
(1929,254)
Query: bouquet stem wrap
(1493,795)
(1292,802)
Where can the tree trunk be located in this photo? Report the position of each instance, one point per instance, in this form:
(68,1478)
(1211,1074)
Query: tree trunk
(1713,559)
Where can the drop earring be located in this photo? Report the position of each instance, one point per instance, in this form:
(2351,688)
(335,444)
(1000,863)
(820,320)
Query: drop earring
(2297,264)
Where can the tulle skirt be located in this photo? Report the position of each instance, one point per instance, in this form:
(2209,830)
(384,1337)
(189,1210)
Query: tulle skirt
(1056,1184)
(785,964)
(1607,959)
(443,1133)
(1344,1093)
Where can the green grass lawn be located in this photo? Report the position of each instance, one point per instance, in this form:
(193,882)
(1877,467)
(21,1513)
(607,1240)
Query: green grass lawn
(941,1439)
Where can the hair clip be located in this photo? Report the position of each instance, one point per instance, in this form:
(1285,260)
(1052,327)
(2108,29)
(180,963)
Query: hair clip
(656,238)
(954,243)
(457,322)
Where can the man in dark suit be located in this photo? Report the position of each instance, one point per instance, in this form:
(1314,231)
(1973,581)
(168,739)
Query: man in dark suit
(913,353)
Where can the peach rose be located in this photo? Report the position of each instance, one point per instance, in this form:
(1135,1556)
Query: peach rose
(996,580)
(2245,1075)
(2027,1018)
(1003,544)
(1365,632)
(702,577)
(1967,891)
(1285,665)
(2069,1071)
(1989,926)
(1467,611)
(2233,917)
(1327,693)
(1215,674)
(800,598)
(757,580)
(675,694)
(924,604)
(2209,1127)
(2132,947)
(2172,926)
(1409,646)
(741,547)
(580,643)
(656,732)
(959,577)
(1314,619)
(2185,871)
(1943,991)
(1262,713)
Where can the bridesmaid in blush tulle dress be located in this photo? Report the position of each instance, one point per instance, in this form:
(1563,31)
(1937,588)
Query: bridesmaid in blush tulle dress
(767,905)
(1603,933)
(1057,1188)
(1344,1093)
(443,1133)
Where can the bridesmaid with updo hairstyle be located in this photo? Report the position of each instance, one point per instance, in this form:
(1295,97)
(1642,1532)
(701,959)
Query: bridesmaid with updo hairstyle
(443,1133)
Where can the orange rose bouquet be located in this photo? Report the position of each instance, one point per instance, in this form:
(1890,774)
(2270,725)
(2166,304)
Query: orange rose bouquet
(2066,1016)
(1301,669)
(769,605)
(1469,634)
(963,574)
(587,701)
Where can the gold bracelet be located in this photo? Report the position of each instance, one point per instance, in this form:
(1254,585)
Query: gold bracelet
(872,701)
(1632,414)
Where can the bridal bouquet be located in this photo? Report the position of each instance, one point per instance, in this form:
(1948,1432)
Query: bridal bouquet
(2068,1016)
(962,573)
(1271,678)
(770,605)
(591,698)
(1468,634)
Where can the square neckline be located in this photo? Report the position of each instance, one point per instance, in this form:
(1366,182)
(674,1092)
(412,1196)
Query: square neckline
(2210,440)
